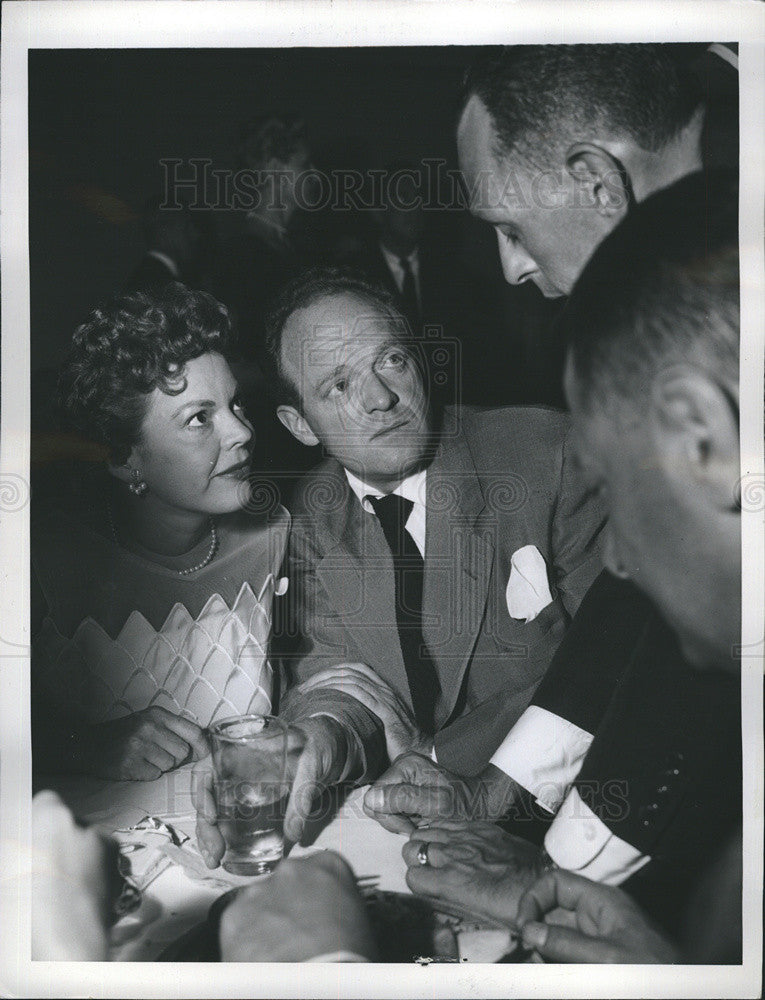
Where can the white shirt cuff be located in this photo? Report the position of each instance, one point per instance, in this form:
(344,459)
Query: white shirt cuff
(543,753)
(580,842)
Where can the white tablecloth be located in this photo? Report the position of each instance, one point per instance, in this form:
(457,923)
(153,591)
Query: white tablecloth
(175,901)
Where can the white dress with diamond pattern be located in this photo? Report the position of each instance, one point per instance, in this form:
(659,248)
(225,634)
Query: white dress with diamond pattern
(121,633)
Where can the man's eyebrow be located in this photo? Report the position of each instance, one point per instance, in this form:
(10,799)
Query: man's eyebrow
(393,341)
(200,403)
(330,376)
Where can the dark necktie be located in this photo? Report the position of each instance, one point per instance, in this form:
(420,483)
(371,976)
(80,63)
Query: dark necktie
(409,301)
(408,570)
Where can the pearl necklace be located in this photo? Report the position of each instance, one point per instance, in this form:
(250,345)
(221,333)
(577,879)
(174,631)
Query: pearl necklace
(181,572)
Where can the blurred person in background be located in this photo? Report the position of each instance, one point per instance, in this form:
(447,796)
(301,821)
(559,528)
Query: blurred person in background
(179,247)
(265,250)
(408,250)
(262,255)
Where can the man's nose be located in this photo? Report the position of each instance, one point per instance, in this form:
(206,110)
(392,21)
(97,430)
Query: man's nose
(611,558)
(376,394)
(517,266)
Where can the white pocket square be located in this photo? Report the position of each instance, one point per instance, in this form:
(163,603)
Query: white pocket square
(528,591)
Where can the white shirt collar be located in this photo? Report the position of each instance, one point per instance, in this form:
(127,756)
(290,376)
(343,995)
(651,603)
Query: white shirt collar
(412,488)
(393,260)
(167,261)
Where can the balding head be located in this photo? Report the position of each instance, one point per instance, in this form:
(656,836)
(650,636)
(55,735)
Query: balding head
(556,142)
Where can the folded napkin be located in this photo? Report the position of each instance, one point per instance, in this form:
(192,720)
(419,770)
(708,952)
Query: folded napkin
(142,855)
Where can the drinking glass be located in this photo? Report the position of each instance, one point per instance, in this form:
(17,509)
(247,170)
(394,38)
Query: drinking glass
(249,754)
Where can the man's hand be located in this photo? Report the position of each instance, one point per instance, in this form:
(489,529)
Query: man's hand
(318,751)
(309,907)
(567,918)
(362,683)
(141,746)
(75,882)
(474,869)
(416,789)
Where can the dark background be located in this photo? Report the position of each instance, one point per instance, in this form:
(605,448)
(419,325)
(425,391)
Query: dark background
(100,121)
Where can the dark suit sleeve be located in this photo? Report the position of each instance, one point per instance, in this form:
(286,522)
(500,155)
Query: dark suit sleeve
(313,638)
(671,741)
(545,750)
(577,526)
(662,779)
(596,651)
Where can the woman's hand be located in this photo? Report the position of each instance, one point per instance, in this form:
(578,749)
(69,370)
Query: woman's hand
(362,683)
(141,746)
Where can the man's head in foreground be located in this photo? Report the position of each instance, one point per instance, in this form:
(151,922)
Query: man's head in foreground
(556,141)
(652,382)
(346,378)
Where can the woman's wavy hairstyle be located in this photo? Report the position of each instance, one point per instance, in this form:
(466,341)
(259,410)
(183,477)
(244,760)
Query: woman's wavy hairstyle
(138,342)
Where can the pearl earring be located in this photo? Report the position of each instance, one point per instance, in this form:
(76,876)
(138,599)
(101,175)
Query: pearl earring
(138,486)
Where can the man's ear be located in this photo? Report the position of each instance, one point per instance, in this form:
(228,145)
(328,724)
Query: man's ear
(602,175)
(297,425)
(698,421)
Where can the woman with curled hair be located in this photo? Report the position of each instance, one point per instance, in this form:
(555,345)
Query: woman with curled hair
(152,581)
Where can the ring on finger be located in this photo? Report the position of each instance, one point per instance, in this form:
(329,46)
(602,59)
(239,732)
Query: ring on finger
(422,853)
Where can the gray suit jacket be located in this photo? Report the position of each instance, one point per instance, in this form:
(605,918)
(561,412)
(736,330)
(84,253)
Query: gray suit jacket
(501,479)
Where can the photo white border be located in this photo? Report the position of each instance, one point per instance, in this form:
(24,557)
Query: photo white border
(284,23)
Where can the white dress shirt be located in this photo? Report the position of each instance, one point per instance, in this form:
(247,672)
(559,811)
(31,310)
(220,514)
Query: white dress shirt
(544,753)
(580,842)
(164,259)
(412,488)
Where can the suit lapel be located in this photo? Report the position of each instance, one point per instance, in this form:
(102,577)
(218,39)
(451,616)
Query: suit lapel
(458,561)
(357,575)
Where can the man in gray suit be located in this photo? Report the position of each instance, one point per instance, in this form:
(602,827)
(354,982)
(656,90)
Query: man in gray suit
(458,596)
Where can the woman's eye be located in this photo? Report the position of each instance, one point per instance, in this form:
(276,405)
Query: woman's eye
(199,419)
(340,386)
(237,404)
